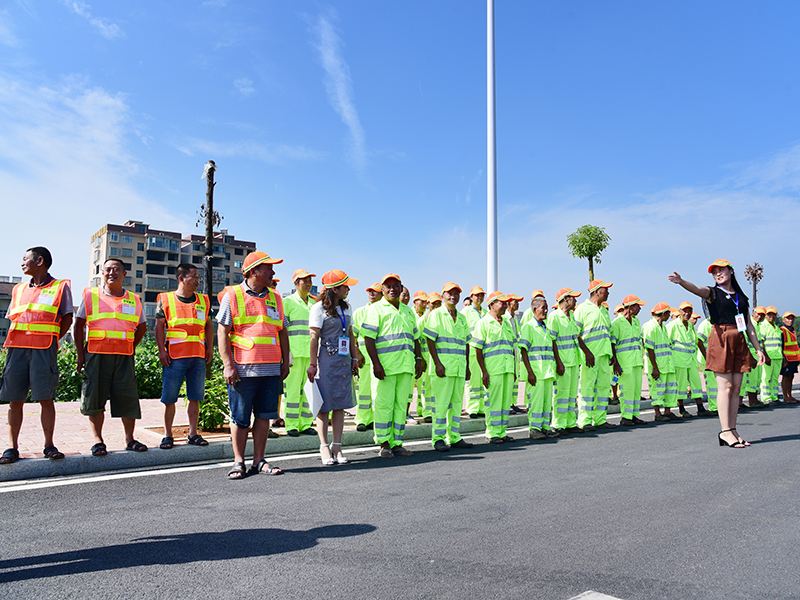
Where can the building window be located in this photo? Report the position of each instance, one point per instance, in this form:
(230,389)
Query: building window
(96,242)
(96,269)
(126,251)
(112,251)
(142,228)
(96,255)
(140,260)
(219,249)
(238,264)
(227,256)
(139,274)
(140,246)
(196,260)
(228,239)
(227,268)
(127,239)
(113,236)
(138,288)
(197,247)
(126,281)
(238,251)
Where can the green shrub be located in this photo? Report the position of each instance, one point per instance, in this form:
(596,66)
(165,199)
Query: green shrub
(214,409)
(148,369)
(69,380)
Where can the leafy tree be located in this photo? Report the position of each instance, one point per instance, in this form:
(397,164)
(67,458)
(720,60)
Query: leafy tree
(588,241)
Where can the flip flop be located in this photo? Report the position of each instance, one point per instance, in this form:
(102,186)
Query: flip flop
(52,453)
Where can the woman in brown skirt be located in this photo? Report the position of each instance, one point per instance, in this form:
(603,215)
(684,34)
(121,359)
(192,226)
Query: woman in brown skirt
(727,354)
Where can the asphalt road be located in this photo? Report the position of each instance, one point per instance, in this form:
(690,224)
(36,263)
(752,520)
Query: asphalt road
(657,512)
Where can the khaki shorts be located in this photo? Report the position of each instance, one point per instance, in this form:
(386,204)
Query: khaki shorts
(110,376)
(31,369)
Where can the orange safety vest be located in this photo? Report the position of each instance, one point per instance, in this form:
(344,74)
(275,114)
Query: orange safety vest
(112,321)
(256,325)
(33,313)
(790,348)
(186,325)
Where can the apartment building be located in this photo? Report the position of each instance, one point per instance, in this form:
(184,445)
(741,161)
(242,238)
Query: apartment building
(151,257)
(6,287)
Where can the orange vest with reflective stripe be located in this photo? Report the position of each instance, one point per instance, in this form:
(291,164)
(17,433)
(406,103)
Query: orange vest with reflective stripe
(33,313)
(186,325)
(256,323)
(111,321)
(790,349)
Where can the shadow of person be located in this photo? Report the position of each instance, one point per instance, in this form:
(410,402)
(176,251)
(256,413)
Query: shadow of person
(173,550)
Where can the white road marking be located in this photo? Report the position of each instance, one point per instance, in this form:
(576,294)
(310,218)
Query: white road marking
(592,595)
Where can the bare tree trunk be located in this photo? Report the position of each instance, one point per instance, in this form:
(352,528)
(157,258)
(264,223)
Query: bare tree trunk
(755,297)
(591,269)
(209,245)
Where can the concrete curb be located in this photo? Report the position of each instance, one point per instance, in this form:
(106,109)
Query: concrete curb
(37,468)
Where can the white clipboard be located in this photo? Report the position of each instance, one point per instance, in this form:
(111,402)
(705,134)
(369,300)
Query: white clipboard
(311,391)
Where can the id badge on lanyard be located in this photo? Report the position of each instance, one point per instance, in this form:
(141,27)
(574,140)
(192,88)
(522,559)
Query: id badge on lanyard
(344,341)
(740,323)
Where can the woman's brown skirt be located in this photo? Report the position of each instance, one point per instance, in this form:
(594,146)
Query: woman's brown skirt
(727,350)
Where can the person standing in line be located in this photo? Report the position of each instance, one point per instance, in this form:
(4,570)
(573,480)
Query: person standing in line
(424,409)
(448,338)
(539,358)
(364,416)
(476,393)
(726,354)
(434,301)
(708,376)
(751,381)
(494,353)
(696,379)
(392,341)
(562,327)
(659,366)
(683,341)
(514,318)
(772,343)
(185,340)
(791,357)
(334,360)
(254,347)
(594,327)
(40,312)
(298,419)
(626,338)
(528,314)
(116,325)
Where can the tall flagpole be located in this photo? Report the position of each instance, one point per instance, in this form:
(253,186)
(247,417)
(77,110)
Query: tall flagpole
(491,157)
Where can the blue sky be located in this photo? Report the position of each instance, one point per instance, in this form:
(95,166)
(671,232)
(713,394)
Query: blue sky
(352,135)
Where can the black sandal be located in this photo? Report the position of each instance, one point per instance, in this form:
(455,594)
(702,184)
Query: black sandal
(11,455)
(52,453)
(136,446)
(167,443)
(237,471)
(196,440)
(736,444)
(99,449)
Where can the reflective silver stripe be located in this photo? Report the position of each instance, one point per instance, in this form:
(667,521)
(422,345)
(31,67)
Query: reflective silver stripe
(541,357)
(449,340)
(477,342)
(595,338)
(633,348)
(392,337)
(498,343)
(382,425)
(298,323)
(461,351)
(598,328)
(663,354)
(372,328)
(293,405)
(400,348)
(304,332)
(498,352)
(431,334)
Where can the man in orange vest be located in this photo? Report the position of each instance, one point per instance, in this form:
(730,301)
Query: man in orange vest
(40,313)
(185,339)
(253,343)
(791,357)
(116,324)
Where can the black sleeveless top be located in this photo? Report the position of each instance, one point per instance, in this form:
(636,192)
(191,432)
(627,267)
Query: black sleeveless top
(722,308)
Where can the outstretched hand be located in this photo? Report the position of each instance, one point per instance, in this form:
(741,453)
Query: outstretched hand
(675,277)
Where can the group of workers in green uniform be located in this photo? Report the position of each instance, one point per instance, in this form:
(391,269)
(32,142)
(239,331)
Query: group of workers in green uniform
(568,364)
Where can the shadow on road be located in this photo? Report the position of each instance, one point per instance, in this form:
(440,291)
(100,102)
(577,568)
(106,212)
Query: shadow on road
(174,549)
(778,438)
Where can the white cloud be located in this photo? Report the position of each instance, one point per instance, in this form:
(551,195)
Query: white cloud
(7,37)
(268,153)
(339,86)
(245,86)
(750,217)
(65,171)
(108,30)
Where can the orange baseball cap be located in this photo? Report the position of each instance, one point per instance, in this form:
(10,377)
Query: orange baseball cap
(536,294)
(659,308)
(719,263)
(772,309)
(597,284)
(434,296)
(420,295)
(391,276)
(300,274)
(631,299)
(564,292)
(514,297)
(496,296)
(476,290)
(618,308)
(760,310)
(685,305)
(449,286)
(275,280)
(375,287)
(256,258)
(788,313)
(335,278)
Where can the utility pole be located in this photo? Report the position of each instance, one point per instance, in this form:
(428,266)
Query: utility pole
(491,157)
(211,218)
(754,274)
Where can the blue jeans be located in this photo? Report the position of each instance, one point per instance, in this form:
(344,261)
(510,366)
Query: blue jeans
(254,395)
(193,370)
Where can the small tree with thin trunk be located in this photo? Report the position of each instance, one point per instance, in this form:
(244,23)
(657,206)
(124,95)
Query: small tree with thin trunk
(754,274)
(588,241)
